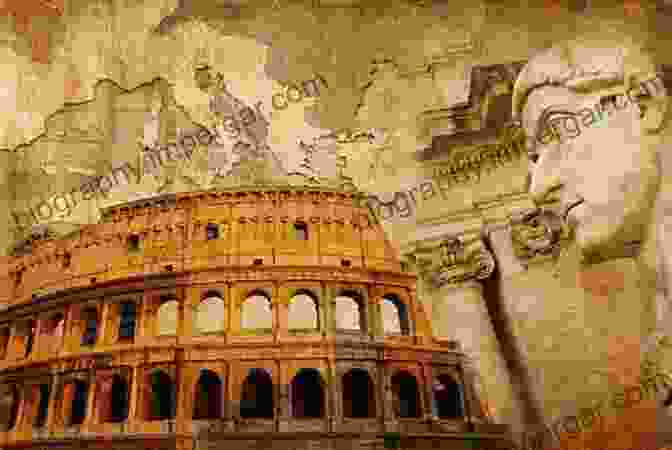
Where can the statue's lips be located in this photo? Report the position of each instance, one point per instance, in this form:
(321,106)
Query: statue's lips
(569,207)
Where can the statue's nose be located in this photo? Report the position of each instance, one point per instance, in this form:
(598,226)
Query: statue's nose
(544,189)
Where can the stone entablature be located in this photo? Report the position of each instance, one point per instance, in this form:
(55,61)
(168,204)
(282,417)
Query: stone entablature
(257,226)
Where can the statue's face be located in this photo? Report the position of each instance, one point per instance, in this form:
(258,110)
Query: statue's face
(599,168)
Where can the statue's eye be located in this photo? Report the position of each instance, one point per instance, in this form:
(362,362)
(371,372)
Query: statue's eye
(609,99)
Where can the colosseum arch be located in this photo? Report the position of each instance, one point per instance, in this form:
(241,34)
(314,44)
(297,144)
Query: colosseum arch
(307,394)
(210,314)
(394,316)
(359,397)
(256,312)
(257,395)
(350,312)
(160,396)
(447,396)
(166,318)
(208,396)
(406,395)
(127,319)
(44,392)
(118,400)
(78,393)
(90,326)
(303,312)
(53,330)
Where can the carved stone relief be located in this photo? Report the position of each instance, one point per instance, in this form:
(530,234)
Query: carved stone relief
(535,232)
(454,260)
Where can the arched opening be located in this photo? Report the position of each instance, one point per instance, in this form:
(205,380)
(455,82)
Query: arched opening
(127,314)
(307,394)
(53,331)
(9,406)
(211,232)
(303,313)
(350,315)
(256,314)
(133,243)
(166,317)
(210,315)
(359,399)
(161,396)
(395,316)
(257,395)
(447,398)
(406,395)
(43,405)
(55,325)
(78,411)
(119,400)
(301,231)
(90,318)
(208,401)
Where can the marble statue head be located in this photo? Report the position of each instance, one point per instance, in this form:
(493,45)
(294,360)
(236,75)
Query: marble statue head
(593,110)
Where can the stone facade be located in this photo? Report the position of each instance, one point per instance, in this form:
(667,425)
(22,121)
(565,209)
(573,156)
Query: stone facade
(150,304)
(415,91)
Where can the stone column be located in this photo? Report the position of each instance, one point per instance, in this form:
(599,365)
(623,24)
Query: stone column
(24,408)
(376,316)
(452,268)
(134,399)
(283,416)
(527,235)
(424,406)
(327,306)
(426,391)
(338,395)
(71,333)
(332,392)
(281,314)
(463,303)
(90,394)
(389,419)
(41,345)
(228,405)
(236,394)
(52,412)
(105,316)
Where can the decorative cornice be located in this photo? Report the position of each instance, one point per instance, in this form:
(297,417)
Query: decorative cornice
(480,119)
(536,232)
(454,260)
(467,163)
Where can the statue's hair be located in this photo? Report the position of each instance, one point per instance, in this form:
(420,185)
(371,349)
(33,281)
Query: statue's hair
(585,64)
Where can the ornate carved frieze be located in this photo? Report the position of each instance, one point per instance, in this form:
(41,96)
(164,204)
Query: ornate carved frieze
(467,163)
(535,232)
(454,260)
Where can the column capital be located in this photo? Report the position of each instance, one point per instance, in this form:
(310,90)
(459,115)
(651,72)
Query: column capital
(535,232)
(454,259)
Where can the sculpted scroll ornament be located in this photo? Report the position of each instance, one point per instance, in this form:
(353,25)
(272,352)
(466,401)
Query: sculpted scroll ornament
(535,232)
(456,260)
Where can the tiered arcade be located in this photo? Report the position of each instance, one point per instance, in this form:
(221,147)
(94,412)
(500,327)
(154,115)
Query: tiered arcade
(263,311)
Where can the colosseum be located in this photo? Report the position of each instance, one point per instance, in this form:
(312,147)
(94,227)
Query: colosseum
(262,317)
